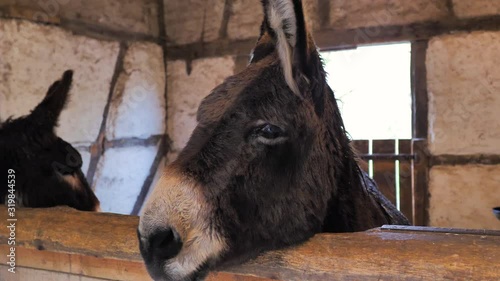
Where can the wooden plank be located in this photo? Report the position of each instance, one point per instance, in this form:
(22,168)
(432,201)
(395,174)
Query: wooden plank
(338,39)
(420,182)
(29,274)
(385,156)
(361,147)
(61,239)
(73,262)
(404,146)
(384,170)
(420,126)
(66,230)
(104,246)
(419,89)
(228,276)
(481,232)
(452,160)
(379,255)
(405,182)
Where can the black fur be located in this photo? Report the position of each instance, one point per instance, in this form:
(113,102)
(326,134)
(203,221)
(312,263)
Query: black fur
(41,160)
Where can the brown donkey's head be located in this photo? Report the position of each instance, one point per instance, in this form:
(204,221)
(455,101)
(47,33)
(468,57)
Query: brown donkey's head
(269,164)
(46,169)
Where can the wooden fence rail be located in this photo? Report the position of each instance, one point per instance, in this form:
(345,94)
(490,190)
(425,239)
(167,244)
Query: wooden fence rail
(63,244)
(395,165)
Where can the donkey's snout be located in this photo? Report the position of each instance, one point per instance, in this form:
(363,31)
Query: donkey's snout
(176,234)
(163,244)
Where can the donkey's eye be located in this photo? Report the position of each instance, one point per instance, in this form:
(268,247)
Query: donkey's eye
(269,131)
(269,134)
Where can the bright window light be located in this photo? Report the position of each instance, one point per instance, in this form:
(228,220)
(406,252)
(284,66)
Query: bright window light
(373,88)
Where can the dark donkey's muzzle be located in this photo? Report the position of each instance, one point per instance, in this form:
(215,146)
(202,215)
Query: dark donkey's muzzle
(160,246)
(176,234)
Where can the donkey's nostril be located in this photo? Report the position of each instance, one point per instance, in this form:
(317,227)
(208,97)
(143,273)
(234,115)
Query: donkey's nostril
(165,243)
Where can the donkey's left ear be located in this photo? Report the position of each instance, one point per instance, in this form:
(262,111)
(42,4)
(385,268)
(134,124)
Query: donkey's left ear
(284,22)
(47,112)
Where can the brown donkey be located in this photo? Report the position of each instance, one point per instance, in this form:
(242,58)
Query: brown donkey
(268,166)
(42,169)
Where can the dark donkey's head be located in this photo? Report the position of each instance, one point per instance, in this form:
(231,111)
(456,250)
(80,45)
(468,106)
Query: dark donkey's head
(46,169)
(269,164)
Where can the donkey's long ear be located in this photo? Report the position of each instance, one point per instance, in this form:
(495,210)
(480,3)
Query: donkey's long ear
(284,30)
(47,112)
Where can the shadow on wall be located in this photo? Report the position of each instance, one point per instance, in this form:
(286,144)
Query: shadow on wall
(496,212)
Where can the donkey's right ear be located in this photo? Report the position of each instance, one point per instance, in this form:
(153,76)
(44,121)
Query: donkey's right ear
(47,112)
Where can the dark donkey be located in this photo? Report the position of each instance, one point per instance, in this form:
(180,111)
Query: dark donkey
(268,166)
(42,169)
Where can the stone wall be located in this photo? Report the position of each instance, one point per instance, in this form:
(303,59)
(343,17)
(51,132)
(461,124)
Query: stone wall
(205,41)
(464,121)
(116,115)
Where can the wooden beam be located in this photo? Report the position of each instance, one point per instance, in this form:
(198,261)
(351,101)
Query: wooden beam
(413,229)
(420,124)
(405,181)
(419,89)
(329,38)
(420,178)
(100,245)
(221,47)
(333,38)
(387,156)
(480,159)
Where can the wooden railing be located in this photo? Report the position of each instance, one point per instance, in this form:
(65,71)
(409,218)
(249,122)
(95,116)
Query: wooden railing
(397,167)
(63,244)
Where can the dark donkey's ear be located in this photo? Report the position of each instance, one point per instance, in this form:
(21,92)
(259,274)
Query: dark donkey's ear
(47,112)
(284,30)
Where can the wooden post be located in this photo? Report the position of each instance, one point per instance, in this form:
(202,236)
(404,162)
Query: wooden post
(420,130)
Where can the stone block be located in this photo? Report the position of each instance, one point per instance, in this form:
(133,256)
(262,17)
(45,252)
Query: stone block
(245,20)
(369,13)
(120,175)
(138,107)
(476,8)
(463,196)
(185,92)
(463,86)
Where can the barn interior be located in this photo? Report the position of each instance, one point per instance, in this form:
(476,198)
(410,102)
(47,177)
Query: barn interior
(418,84)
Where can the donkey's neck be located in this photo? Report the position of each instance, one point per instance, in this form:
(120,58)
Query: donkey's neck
(353,207)
(356,203)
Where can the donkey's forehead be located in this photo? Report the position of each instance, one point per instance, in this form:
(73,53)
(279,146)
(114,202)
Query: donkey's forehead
(224,96)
